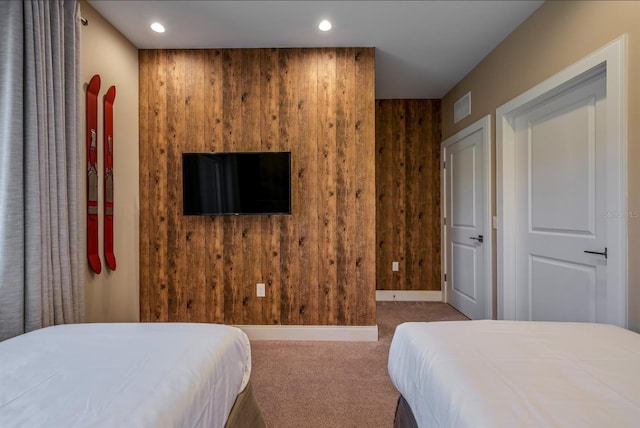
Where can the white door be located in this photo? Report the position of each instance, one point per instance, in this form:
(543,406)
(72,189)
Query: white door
(560,148)
(562,190)
(467,236)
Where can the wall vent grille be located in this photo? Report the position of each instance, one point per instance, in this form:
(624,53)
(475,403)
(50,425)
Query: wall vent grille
(462,108)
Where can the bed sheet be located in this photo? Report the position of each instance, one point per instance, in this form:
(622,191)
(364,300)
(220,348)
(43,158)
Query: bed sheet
(116,375)
(517,373)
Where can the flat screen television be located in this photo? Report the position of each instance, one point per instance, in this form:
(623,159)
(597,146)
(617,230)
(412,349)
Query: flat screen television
(242,183)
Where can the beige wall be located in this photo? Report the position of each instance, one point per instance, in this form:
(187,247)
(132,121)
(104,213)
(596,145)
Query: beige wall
(113,296)
(557,35)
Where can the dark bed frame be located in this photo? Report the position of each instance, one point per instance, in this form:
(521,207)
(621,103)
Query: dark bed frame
(245,412)
(404,416)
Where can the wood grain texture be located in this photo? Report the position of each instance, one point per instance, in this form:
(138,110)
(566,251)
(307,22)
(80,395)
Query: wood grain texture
(384,180)
(365,195)
(196,245)
(158,190)
(345,187)
(176,225)
(144,156)
(271,225)
(318,264)
(327,214)
(307,184)
(432,128)
(250,102)
(214,232)
(290,265)
(408,194)
(233,226)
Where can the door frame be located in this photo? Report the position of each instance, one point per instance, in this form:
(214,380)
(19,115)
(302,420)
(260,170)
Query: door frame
(483,125)
(610,59)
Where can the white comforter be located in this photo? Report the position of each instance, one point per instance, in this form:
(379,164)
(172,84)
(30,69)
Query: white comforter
(123,375)
(517,374)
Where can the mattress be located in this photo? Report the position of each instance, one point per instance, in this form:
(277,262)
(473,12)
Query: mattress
(116,375)
(517,373)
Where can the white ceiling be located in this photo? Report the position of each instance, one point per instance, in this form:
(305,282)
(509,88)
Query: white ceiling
(423,48)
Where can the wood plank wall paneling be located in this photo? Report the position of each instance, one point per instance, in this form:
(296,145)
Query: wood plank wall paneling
(365,182)
(318,264)
(196,250)
(327,185)
(289,266)
(271,225)
(213,231)
(158,189)
(145,113)
(345,185)
(408,194)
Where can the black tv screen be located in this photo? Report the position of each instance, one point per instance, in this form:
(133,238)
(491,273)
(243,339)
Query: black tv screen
(256,183)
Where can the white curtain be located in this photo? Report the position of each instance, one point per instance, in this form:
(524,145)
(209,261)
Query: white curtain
(40,166)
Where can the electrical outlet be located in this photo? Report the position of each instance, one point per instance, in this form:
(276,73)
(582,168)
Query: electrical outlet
(260,291)
(395,266)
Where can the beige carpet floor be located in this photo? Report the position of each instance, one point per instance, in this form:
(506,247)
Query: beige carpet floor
(335,384)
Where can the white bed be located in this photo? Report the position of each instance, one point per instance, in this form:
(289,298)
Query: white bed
(517,374)
(117,375)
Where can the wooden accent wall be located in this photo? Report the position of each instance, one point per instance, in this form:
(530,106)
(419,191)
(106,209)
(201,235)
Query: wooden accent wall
(318,264)
(408,194)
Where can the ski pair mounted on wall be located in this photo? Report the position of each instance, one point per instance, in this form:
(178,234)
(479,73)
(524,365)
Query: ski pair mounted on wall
(93,88)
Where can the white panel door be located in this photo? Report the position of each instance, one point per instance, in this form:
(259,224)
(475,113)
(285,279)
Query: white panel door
(560,206)
(466,238)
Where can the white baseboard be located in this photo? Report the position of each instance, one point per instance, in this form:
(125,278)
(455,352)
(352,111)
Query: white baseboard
(332,333)
(408,296)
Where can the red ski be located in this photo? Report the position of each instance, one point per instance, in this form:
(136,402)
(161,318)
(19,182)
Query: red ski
(92,173)
(109,257)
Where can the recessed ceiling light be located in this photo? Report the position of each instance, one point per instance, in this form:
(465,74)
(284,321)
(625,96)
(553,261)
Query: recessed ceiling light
(324,25)
(157,27)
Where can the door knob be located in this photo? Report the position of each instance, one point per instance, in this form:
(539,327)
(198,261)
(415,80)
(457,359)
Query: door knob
(604,253)
(480,238)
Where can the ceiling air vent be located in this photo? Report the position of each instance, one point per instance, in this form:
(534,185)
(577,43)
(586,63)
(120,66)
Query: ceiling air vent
(462,108)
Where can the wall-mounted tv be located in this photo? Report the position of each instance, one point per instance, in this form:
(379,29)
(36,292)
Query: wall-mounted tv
(241,183)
